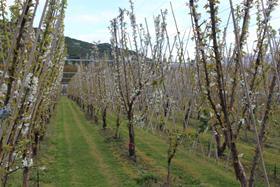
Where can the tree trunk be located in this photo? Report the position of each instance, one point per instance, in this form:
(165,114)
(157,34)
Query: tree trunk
(254,168)
(25,177)
(238,167)
(187,115)
(117,134)
(131,139)
(104,114)
(1,145)
(91,112)
(4,180)
(12,69)
(95,116)
(168,179)
(166,107)
(35,144)
(131,146)
(220,149)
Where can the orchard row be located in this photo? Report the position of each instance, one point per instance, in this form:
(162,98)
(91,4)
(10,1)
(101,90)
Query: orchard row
(32,61)
(224,89)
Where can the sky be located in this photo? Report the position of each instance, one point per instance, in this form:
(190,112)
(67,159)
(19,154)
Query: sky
(88,20)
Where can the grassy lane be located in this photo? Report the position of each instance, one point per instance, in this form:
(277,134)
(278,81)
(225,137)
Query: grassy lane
(189,168)
(78,153)
(81,156)
(116,173)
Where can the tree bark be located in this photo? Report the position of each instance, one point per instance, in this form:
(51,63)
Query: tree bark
(238,167)
(117,134)
(104,118)
(168,179)
(25,177)
(131,139)
(131,146)
(35,144)
(95,116)
(187,115)
(11,70)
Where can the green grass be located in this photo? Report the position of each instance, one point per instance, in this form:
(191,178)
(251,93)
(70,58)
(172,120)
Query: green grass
(76,152)
(189,168)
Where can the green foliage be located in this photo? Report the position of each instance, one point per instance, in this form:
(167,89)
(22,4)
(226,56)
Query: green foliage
(204,118)
(147,180)
(78,49)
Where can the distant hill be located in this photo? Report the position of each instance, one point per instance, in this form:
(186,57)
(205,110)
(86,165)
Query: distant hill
(77,49)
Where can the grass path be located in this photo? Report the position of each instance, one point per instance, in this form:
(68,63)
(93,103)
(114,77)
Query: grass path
(81,156)
(189,168)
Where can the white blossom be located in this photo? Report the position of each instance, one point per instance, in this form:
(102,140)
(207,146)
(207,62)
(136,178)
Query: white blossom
(242,121)
(242,83)
(25,131)
(218,106)
(33,92)
(212,84)
(14,154)
(42,168)
(3,88)
(27,124)
(27,118)
(16,94)
(27,162)
(135,92)
(27,80)
(19,126)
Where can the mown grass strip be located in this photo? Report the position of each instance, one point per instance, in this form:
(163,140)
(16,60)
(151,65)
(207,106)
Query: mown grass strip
(108,164)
